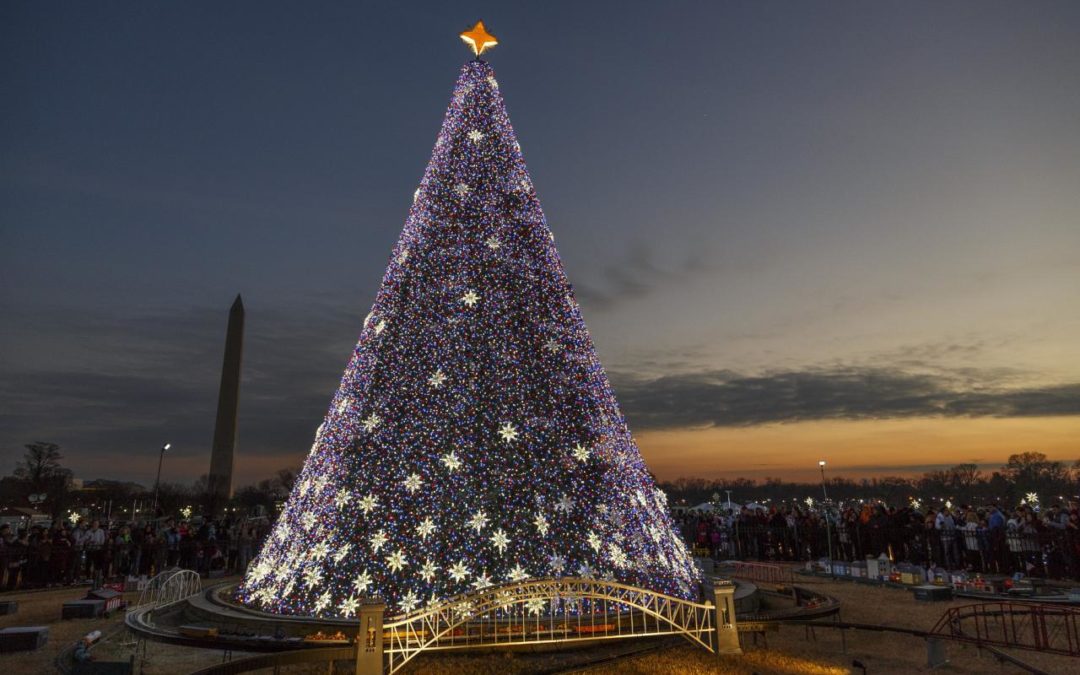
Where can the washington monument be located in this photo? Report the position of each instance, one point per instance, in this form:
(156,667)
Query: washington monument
(219,481)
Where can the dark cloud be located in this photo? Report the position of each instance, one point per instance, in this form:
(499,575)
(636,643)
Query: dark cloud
(636,275)
(726,398)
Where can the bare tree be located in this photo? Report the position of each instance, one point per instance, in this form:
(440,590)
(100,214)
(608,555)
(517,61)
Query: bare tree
(40,472)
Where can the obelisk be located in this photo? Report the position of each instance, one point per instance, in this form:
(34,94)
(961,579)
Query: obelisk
(219,481)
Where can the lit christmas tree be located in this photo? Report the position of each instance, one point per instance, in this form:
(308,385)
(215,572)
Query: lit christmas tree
(475,439)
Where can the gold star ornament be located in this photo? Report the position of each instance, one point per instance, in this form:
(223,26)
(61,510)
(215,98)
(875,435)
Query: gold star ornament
(479,39)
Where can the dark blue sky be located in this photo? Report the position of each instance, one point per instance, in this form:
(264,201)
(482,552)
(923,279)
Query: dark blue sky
(742,193)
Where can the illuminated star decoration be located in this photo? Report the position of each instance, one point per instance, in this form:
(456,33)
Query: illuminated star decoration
(409,602)
(481,581)
(362,582)
(425,528)
(413,482)
(479,39)
(508,432)
(437,379)
(371,422)
(541,524)
(451,461)
(500,541)
(348,608)
(459,572)
(428,570)
(478,521)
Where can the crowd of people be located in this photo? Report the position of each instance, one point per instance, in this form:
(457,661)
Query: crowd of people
(966,537)
(63,554)
(978,539)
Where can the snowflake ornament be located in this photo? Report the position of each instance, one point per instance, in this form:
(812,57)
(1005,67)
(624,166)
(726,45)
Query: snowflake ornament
(451,461)
(499,540)
(508,432)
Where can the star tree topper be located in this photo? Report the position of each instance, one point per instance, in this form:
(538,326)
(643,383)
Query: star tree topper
(479,39)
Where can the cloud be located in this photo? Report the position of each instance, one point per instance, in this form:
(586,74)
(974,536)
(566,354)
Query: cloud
(638,274)
(727,398)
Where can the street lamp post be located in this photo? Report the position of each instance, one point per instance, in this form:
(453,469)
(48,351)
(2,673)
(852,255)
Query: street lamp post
(828,525)
(157,481)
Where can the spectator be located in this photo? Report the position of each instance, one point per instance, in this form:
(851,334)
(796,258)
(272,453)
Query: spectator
(94,543)
(17,553)
(247,540)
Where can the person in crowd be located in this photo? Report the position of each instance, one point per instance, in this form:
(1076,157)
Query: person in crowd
(148,544)
(60,557)
(973,553)
(41,554)
(123,546)
(945,525)
(78,544)
(247,543)
(94,544)
(18,552)
(173,537)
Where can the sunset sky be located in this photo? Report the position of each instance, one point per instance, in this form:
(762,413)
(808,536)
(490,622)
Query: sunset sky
(838,230)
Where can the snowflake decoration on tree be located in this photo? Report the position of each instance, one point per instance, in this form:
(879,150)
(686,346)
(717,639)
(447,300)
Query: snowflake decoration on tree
(478,521)
(425,528)
(413,482)
(451,461)
(508,432)
(499,540)
(459,572)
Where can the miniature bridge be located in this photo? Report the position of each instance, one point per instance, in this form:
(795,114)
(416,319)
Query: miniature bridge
(562,610)
(169,586)
(530,612)
(1031,626)
(1051,629)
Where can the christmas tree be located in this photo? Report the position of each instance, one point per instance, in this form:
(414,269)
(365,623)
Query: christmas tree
(475,439)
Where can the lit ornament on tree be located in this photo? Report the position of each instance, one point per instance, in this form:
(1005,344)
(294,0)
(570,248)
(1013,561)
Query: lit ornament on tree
(475,439)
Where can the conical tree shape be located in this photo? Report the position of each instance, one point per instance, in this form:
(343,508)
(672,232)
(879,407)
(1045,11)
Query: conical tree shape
(474,439)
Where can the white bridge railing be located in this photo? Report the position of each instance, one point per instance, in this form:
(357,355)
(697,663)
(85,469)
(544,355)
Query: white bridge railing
(533,611)
(562,610)
(169,586)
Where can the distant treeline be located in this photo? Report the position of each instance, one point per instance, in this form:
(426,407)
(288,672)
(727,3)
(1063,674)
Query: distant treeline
(42,482)
(1025,473)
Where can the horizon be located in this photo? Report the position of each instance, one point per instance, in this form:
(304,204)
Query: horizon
(839,232)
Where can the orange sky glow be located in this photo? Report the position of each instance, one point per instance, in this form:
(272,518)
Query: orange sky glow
(854,449)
